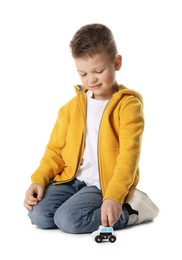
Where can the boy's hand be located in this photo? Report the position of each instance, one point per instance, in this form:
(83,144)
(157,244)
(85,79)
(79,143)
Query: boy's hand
(110,212)
(33,195)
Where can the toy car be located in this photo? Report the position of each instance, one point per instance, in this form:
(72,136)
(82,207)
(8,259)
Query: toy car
(104,234)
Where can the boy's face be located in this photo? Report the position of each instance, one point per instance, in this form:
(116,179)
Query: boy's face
(97,74)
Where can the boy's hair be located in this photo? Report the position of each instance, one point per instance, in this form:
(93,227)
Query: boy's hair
(92,39)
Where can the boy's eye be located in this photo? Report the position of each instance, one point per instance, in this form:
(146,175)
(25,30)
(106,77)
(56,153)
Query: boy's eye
(83,75)
(99,72)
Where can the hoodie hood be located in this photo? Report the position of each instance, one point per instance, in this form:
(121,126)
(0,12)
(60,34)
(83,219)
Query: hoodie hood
(122,90)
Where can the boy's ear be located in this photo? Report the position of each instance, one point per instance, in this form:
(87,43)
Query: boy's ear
(118,62)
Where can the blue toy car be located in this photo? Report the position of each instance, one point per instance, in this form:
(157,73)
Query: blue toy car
(104,234)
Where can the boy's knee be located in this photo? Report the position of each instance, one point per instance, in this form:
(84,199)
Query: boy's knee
(67,222)
(41,218)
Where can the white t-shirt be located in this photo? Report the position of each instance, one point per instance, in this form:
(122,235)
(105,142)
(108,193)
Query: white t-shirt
(88,171)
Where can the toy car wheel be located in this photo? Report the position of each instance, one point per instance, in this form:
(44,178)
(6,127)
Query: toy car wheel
(112,239)
(98,239)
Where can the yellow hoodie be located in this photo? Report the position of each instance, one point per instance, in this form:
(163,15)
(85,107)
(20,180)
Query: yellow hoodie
(119,143)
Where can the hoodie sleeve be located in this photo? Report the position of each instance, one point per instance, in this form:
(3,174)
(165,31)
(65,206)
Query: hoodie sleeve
(130,136)
(52,162)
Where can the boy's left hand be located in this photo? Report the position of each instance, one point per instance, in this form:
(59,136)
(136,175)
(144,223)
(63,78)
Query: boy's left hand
(110,212)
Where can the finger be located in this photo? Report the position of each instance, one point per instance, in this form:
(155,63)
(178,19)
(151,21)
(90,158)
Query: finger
(31,203)
(32,198)
(40,193)
(104,219)
(111,219)
(28,203)
(27,206)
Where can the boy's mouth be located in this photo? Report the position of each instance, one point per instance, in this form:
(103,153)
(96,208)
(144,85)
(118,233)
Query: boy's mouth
(95,86)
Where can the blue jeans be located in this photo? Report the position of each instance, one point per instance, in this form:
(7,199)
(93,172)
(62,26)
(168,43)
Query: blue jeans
(72,207)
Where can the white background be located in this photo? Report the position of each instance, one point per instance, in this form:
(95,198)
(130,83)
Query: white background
(37,75)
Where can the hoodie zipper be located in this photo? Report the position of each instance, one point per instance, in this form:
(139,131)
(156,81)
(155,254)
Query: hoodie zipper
(98,157)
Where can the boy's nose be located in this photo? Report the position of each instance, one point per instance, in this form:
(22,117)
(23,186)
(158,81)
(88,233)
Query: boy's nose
(92,79)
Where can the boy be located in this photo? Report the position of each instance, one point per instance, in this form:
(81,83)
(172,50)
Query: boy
(89,172)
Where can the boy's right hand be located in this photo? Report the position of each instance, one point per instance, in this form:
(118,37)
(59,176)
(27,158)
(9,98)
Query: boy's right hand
(33,195)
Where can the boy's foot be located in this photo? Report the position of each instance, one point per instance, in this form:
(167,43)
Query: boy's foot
(131,213)
(140,202)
